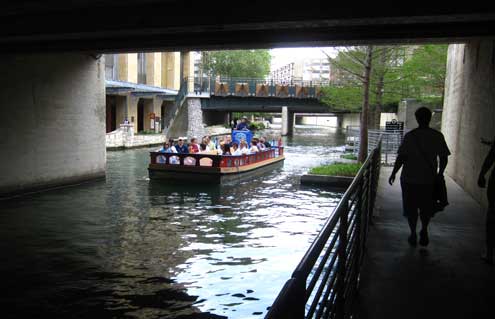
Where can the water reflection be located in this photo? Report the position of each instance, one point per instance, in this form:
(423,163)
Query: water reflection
(130,247)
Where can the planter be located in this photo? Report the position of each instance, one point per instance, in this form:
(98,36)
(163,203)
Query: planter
(341,182)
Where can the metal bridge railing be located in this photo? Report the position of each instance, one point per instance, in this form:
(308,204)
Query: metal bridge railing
(325,282)
(232,86)
(390,141)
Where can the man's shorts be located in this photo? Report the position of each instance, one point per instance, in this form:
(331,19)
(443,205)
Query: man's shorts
(417,197)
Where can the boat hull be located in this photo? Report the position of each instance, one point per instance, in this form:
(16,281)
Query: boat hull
(213,175)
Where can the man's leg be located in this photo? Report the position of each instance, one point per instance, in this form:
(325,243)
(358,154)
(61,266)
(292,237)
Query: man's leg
(423,235)
(410,211)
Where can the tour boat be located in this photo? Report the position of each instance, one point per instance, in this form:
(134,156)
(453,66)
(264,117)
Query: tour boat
(209,168)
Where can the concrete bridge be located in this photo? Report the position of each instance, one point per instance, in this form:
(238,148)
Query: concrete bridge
(219,97)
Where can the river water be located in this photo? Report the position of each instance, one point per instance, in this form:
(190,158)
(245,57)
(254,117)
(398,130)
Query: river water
(129,247)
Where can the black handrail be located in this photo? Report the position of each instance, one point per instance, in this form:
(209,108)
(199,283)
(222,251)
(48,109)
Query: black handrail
(327,277)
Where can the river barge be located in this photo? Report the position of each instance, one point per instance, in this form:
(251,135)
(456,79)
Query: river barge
(215,169)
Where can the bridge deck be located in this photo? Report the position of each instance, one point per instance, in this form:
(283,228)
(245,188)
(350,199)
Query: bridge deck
(448,279)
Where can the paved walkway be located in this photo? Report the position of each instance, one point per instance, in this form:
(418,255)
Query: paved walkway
(447,279)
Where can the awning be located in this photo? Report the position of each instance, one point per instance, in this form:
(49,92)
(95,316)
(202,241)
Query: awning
(115,87)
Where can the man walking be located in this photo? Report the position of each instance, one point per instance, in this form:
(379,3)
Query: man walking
(490,192)
(418,156)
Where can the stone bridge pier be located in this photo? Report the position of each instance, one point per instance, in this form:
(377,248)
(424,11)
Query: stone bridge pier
(52,108)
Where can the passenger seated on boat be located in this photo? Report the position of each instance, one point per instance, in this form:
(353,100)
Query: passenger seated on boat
(202,148)
(235,150)
(193,146)
(172,145)
(210,143)
(254,148)
(261,145)
(165,149)
(181,147)
(244,147)
(265,142)
(226,149)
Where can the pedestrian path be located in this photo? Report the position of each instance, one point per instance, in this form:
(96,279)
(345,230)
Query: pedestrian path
(447,279)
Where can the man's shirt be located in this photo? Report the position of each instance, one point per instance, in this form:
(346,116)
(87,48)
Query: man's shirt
(420,149)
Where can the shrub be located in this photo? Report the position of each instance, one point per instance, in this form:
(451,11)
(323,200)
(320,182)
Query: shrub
(337,169)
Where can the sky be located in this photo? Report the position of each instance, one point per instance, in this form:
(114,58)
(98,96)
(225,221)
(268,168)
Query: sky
(283,56)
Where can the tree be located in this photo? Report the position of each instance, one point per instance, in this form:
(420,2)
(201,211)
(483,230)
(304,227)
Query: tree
(237,63)
(354,65)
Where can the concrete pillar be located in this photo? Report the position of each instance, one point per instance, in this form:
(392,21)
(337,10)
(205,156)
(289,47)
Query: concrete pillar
(170,70)
(340,120)
(128,67)
(148,109)
(153,69)
(287,121)
(121,109)
(469,111)
(53,121)
(132,112)
(187,69)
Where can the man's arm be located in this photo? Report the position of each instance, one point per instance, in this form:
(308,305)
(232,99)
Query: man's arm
(443,164)
(398,164)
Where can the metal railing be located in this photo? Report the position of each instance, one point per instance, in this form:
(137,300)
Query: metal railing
(390,141)
(233,86)
(325,282)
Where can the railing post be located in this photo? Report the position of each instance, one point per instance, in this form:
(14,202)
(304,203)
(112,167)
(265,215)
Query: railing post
(342,257)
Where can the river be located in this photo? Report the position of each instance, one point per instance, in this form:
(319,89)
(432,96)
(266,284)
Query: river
(129,247)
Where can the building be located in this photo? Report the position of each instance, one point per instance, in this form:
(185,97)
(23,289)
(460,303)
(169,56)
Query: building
(311,69)
(141,86)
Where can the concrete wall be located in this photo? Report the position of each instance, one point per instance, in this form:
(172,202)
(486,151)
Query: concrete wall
(171,70)
(53,120)
(188,121)
(351,119)
(469,111)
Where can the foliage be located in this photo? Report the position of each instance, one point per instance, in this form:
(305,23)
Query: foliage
(337,169)
(349,156)
(237,63)
(406,72)
(254,126)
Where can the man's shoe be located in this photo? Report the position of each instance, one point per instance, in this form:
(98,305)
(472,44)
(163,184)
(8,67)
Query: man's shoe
(412,240)
(423,238)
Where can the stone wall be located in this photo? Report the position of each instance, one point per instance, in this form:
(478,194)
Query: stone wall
(469,111)
(195,118)
(53,121)
(124,137)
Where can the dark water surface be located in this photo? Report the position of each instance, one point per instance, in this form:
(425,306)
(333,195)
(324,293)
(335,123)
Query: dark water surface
(129,247)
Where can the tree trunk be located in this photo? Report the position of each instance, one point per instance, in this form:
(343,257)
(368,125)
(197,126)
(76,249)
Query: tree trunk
(379,90)
(363,139)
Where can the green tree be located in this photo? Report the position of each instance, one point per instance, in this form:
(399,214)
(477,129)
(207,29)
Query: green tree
(237,63)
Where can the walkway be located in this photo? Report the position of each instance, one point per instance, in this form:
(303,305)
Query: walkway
(445,280)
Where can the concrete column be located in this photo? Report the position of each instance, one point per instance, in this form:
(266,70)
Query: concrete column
(128,67)
(469,111)
(340,121)
(121,109)
(170,70)
(287,121)
(148,109)
(53,121)
(132,106)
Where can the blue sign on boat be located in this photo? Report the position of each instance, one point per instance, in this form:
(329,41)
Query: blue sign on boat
(237,136)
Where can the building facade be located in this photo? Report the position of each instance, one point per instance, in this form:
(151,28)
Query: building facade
(311,69)
(141,86)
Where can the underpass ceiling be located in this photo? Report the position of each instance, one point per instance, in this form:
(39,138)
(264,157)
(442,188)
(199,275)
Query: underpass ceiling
(148,25)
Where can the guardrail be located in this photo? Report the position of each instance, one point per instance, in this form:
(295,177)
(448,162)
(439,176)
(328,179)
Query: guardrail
(325,282)
(232,86)
(390,141)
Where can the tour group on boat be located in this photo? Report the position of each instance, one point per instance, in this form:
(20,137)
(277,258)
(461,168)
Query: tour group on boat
(215,160)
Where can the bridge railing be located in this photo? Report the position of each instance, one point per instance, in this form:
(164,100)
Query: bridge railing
(245,87)
(325,282)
